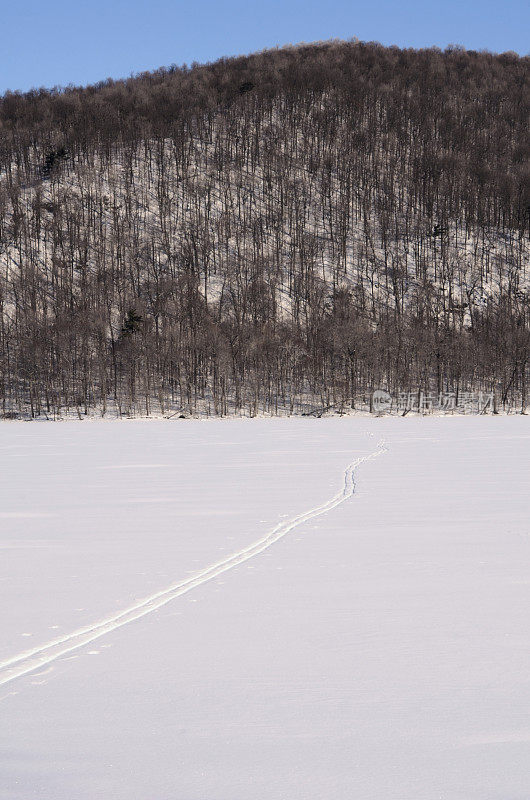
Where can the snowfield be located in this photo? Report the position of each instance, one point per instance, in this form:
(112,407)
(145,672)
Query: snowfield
(282,609)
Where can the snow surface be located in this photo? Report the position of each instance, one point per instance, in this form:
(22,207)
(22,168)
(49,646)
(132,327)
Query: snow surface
(374,644)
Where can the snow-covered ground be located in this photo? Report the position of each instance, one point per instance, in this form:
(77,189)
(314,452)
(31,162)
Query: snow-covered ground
(363,633)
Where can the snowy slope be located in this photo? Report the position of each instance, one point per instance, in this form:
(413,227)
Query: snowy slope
(376,650)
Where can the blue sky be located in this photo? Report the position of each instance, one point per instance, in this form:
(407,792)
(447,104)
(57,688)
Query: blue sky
(54,42)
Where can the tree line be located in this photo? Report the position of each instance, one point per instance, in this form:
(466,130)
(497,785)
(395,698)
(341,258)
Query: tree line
(268,233)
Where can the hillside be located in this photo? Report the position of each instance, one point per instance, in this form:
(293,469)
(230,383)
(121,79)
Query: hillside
(267,234)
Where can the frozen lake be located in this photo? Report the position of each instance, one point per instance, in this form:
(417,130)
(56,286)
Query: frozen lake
(225,610)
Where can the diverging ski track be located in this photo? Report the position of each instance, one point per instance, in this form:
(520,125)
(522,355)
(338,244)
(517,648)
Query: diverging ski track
(31,660)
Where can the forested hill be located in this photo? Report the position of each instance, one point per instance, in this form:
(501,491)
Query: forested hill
(269,233)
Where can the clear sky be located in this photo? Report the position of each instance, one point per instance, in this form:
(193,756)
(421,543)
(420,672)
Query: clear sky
(61,42)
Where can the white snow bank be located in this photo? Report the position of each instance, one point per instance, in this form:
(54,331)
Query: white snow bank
(376,651)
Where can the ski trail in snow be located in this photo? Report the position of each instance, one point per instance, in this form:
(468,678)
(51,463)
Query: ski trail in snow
(31,660)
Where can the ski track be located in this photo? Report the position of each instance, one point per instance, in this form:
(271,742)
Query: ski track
(31,660)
